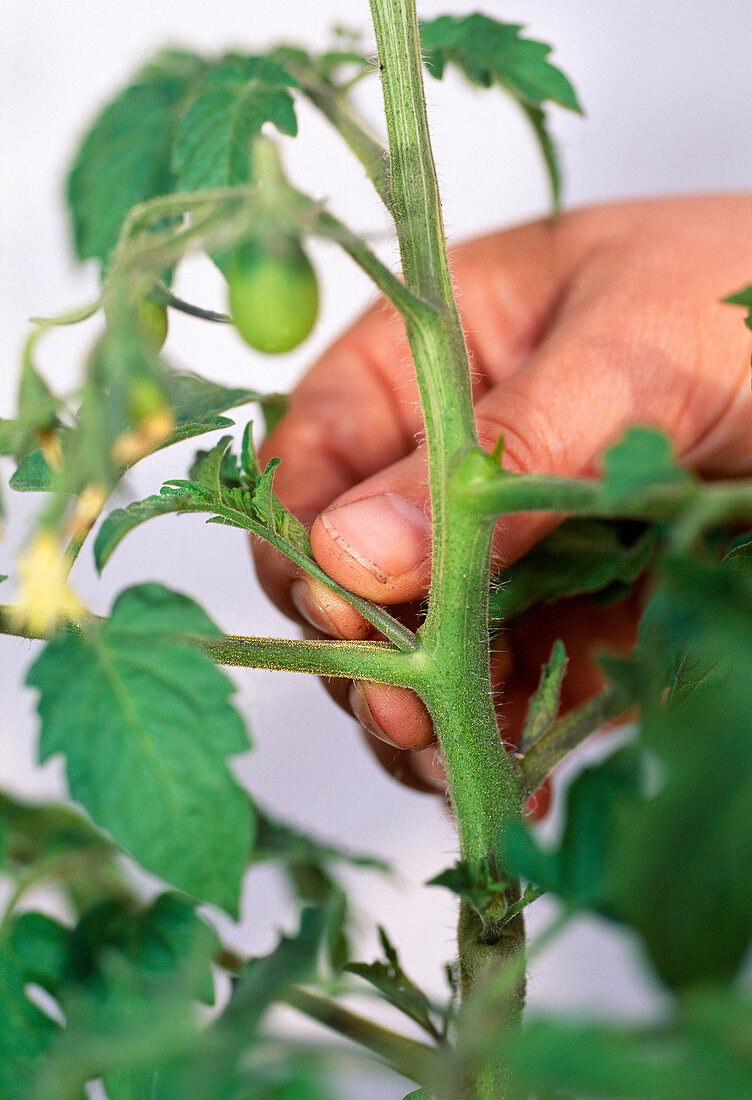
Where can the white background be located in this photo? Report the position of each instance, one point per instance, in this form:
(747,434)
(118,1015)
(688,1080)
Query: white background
(666,90)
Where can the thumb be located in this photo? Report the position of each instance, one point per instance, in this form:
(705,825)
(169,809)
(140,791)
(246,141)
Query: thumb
(375,538)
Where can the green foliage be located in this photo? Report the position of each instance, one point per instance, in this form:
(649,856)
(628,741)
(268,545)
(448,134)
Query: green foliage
(544,705)
(491,53)
(641,460)
(703,1053)
(125,157)
(26,1031)
(581,556)
(656,837)
(395,987)
(628,818)
(230,104)
(195,403)
(251,505)
(485,889)
(309,867)
(144,720)
(221,1064)
(742,298)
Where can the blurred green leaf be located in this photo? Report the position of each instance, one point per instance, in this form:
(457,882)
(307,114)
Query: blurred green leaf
(222,1064)
(41,946)
(580,556)
(659,835)
(704,1054)
(25,1031)
(166,939)
(124,158)
(579,869)
(132,699)
(642,459)
(229,106)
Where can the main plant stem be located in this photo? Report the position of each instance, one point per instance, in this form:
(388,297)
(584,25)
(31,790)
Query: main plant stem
(483,786)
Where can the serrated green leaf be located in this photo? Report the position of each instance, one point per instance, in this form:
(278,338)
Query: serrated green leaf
(263,500)
(144,720)
(209,480)
(125,157)
(491,53)
(393,984)
(229,471)
(580,556)
(544,704)
(229,107)
(642,459)
(485,890)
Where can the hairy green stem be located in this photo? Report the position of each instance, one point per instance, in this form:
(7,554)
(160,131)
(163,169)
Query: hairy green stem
(697,505)
(482,781)
(378,661)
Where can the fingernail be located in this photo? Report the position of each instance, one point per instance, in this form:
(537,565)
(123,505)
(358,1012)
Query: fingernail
(361,710)
(310,610)
(386,534)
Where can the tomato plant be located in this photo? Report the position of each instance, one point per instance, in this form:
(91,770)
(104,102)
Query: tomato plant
(105,987)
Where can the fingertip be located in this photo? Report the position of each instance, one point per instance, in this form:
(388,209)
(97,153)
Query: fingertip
(394,715)
(326,611)
(376,545)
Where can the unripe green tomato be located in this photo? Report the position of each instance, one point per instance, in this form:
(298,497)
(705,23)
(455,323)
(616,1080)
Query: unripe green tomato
(273,296)
(152,321)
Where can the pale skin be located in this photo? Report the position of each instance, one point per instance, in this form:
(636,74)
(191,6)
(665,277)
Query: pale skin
(610,317)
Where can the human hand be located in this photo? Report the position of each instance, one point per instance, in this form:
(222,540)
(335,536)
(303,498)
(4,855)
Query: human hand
(610,317)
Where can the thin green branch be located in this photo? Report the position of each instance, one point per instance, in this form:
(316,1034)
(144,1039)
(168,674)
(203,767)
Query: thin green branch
(165,297)
(567,734)
(378,661)
(362,660)
(413,1059)
(409,305)
(334,104)
(699,505)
